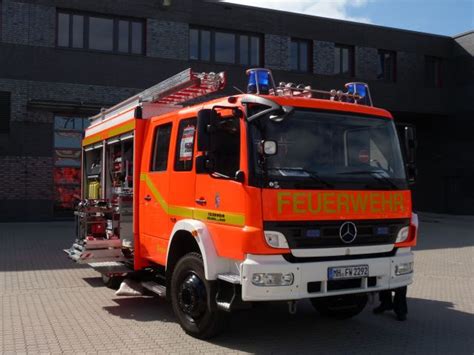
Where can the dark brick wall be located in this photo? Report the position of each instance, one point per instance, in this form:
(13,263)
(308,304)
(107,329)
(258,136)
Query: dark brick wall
(33,70)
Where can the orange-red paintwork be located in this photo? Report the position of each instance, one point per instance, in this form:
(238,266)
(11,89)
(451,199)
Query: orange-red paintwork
(234,212)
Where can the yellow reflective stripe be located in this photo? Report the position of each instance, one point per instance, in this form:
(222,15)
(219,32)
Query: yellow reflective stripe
(154,191)
(92,139)
(108,134)
(186,212)
(220,217)
(122,129)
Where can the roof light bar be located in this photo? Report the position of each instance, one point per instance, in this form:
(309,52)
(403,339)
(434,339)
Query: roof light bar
(260,82)
(360,92)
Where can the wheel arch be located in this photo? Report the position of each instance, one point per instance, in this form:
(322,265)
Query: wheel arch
(189,235)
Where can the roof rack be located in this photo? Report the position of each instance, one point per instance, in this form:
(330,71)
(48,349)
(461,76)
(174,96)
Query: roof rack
(184,86)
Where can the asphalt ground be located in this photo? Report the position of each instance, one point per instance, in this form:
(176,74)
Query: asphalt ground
(48,304)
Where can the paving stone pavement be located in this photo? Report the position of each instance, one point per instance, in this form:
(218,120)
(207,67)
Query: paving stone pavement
(50,305)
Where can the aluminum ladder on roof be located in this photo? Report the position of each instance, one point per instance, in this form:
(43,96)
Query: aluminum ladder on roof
(184,86)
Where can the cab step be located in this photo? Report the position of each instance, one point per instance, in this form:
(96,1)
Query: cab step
(229,277)
(154,287)
(131,287)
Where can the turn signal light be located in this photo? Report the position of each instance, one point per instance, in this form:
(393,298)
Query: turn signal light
(411,233)
(276,240)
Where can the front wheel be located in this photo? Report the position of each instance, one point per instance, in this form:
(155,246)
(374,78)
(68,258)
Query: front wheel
(340,307)
(190,292)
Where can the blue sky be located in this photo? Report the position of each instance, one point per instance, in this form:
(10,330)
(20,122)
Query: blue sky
(445,17)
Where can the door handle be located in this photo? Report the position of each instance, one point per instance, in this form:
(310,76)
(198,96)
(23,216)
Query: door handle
(201,201)
(147,198)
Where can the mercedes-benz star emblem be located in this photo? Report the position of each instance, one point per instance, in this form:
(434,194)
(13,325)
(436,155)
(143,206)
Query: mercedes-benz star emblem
(348,232)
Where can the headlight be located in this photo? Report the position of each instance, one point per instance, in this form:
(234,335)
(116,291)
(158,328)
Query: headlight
(402,234)
(276,239)
(405,268)
(273,279)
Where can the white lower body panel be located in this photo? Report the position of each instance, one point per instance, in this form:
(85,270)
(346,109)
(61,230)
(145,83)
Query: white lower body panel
(382,269)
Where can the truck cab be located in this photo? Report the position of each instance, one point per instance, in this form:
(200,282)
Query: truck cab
(273,195)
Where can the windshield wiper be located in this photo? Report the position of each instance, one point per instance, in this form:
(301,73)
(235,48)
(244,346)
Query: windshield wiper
(312,174)
(376,174)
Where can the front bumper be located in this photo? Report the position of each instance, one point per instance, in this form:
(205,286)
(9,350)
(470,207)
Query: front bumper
(382,276)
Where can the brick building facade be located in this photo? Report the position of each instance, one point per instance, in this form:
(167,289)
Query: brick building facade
(43,80)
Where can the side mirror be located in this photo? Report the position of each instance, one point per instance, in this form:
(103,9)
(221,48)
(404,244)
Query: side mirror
(268,148)
(240,176)
(204,121)
(410,144)
(410,153)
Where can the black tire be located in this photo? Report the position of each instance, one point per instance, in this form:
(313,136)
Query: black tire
(340,307)
(189,297)
(112,282)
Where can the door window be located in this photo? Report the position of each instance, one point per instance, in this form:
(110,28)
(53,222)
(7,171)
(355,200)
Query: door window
(161,147)
(183,160)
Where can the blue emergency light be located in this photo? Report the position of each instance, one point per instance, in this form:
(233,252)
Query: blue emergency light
(362,90)
(260,81)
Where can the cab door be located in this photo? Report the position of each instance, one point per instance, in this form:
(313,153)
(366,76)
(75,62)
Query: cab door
(220,201)
(182,174)
(154,191)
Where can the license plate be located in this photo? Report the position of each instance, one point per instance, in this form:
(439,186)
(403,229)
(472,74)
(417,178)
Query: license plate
(348,272)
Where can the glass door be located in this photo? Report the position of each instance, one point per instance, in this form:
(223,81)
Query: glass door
(68,134)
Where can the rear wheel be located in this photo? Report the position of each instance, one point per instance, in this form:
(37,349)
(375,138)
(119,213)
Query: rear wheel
(190,293)
(340,307)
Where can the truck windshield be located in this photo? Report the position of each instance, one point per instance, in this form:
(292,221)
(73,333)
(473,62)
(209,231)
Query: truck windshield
(328,151)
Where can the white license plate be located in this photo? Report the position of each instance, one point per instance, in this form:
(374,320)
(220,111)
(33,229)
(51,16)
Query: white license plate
(348,272)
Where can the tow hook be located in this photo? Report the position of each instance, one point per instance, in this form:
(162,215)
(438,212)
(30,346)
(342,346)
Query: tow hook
(292,307)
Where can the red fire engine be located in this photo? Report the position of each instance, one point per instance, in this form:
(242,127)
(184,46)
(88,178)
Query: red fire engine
(282,193)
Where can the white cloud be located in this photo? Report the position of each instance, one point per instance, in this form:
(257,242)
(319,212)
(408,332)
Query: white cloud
(338,9)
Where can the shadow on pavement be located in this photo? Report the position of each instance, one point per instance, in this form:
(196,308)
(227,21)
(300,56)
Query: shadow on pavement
(269,328)
(94,281)
(142,309)
(272,329)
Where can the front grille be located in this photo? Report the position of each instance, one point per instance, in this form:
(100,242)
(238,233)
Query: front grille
(324,234)
(314,287)
(372,281)
(337,285)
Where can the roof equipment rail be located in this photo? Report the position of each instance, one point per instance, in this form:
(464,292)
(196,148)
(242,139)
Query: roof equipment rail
(184,86)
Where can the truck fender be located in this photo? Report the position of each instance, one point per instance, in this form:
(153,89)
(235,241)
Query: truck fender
(213,264)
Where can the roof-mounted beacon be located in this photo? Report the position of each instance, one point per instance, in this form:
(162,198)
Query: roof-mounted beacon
(260,82)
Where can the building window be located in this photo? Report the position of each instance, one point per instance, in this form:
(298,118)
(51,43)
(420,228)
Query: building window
(344,60)
(102,33)
(68,134)
(387,65)
(5,111)
(433,72)
(301,55)
(224,47)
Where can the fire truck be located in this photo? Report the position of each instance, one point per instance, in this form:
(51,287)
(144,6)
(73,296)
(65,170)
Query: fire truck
(279,193)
